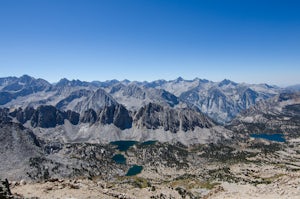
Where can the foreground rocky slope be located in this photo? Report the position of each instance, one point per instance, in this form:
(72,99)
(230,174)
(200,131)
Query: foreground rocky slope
(17,146)
(250,169)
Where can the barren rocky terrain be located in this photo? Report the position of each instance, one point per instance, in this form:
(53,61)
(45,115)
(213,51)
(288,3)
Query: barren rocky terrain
(154,140)
(253,169)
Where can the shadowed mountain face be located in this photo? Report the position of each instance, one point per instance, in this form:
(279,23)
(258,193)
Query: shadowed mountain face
(117,115)
(154,116)
(150,116)
(44,116)
(50,116)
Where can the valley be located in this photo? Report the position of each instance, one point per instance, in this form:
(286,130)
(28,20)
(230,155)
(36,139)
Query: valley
(162,139)
(254,169)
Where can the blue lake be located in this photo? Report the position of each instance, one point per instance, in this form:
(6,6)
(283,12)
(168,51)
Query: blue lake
(134,170)
(124,145)
(119,158)
(271,137)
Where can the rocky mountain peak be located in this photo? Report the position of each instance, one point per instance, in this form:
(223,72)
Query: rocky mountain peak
(226,82)
(26,79)
(179,79)
(71,83)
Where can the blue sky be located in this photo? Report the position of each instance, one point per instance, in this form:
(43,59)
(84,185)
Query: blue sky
(254,41)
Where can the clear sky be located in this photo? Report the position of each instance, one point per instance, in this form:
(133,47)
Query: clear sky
(254,41)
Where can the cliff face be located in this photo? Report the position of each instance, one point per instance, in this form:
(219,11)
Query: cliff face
(44,116)
(117,115)
(154,116)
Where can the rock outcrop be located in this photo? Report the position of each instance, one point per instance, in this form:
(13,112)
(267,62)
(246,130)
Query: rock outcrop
(115,114)
(23,115)
(154,116)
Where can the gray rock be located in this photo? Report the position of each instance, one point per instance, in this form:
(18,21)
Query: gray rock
(89,116)
(17,146)
(47,117)
(154,116)
(117,115)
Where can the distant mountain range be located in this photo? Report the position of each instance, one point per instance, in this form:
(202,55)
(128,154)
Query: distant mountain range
(112,110)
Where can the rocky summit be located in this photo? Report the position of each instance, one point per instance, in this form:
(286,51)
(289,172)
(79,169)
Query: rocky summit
(162,139)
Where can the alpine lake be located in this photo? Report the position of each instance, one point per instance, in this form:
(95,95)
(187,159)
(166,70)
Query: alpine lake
(124,145)
(271,137)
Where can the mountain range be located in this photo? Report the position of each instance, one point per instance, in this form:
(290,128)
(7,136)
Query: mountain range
(179,132)
(220,100)
(189,111)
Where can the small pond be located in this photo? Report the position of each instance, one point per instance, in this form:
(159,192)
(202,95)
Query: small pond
(123,145)
(119,158)
(271,137)
(134,170)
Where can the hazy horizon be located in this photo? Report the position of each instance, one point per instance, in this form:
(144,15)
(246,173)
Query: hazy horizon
(166,79)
